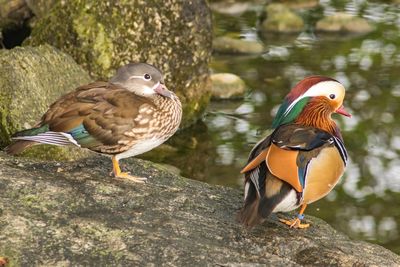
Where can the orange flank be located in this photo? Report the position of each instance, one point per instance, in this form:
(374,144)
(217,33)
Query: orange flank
(255,162)
(282,164)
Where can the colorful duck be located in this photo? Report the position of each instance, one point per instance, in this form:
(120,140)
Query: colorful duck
(128,116)
(303,158)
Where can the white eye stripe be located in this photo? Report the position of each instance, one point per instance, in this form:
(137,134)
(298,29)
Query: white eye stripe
(139,77)
(315,90)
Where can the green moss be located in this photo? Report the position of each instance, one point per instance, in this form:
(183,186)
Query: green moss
(93,36)
(4,124)
(193,108)
(57,153)
(32,201)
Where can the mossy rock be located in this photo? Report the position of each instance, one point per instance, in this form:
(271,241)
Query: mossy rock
(278,18)
(344,23)
(73,214)
(227,86)
(31,78)
(103,35)
(13,13)
(40,7)
(229,45)
(298,3)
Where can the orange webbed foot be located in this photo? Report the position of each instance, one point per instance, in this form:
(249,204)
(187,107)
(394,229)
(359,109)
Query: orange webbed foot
(295,223)
(126,175)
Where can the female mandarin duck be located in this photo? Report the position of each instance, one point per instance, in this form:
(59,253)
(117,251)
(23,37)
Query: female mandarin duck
(130,115)
(304,157)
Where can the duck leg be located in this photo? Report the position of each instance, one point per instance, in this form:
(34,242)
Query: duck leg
(125,175)
(296,223)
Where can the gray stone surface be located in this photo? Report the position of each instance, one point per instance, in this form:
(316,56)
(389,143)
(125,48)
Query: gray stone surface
(101,36)
(73,214)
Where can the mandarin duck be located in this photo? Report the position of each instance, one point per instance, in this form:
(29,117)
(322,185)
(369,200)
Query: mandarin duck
(129,115)
(302,159)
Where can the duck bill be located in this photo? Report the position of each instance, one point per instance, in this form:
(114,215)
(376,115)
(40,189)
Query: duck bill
(343,112)
(161,89)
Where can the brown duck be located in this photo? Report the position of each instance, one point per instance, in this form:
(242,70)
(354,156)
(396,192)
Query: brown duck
(303,158)
(129,115)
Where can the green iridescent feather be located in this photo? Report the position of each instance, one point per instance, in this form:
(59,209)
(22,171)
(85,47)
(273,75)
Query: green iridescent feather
(281,118)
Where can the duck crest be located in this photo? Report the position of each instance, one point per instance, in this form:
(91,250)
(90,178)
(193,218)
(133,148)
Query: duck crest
(293,104)
(301,87)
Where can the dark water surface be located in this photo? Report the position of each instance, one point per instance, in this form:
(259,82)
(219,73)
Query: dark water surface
(366,202)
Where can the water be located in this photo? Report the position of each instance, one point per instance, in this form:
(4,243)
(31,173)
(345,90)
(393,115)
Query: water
(365,204)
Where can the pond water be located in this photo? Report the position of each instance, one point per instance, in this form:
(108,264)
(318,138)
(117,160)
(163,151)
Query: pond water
(365,204)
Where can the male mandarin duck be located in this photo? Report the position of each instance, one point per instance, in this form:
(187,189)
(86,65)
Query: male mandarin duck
(129,115)
(303,158)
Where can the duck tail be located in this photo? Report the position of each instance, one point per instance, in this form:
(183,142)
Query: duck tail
(18,146)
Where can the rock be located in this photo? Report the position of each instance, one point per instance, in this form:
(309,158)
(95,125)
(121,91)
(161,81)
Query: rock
(281,19)
(40,7)
(230,45)
(227,86)
(230,8)
(13,13)
(31,78)
(343,22)
(298,3)
(103,35)
(82,217)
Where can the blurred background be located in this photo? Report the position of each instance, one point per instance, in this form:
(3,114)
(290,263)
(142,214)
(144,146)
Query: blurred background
(355,42)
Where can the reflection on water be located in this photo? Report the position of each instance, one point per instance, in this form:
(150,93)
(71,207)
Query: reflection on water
(365,204)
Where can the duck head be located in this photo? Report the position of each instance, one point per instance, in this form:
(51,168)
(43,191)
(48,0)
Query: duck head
(142,79)
(312,102)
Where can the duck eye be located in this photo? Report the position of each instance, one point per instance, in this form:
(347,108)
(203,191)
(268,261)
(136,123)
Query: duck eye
(147,77)
(332,96)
